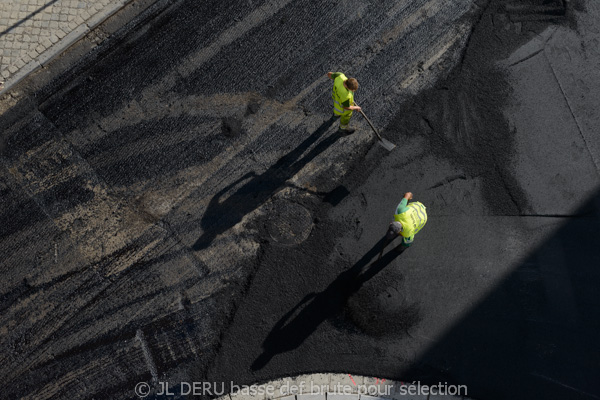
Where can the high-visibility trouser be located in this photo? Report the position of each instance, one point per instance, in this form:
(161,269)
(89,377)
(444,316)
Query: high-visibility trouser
(345,114)
(345,120)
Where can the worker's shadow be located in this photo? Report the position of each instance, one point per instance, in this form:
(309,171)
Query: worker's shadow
(222,215)
(289,333)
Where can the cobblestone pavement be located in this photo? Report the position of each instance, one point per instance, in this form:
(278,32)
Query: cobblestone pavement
(33,32)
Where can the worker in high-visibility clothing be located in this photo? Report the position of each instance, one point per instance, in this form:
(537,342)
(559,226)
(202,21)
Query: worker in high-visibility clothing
(343,99)
(409,219)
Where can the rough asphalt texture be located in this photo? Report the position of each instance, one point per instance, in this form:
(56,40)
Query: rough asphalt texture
(182,208)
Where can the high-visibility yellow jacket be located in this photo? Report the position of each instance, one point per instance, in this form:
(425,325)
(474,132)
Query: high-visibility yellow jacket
(413,219)
(340,94)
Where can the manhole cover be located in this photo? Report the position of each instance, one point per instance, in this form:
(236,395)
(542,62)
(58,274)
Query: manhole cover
(289,223)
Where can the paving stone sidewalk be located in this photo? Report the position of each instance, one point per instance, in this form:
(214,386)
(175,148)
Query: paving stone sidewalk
(330,386)
(33,32)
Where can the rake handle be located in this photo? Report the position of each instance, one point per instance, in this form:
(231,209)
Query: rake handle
(371,124)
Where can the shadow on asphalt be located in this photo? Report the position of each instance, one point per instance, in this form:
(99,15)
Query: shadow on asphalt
(221,215)
(535,335)
(302,320)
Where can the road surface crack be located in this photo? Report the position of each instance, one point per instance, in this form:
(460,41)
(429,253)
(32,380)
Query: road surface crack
(572,114)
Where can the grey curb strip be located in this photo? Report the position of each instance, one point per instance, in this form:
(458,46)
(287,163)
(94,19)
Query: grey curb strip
(330,386)
(62,45)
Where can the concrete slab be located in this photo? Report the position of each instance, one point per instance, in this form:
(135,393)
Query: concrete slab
(378,387)
(347,381)
(406,391)
(342,396)
(316,396)
(314,383)
(248,394)
(408,395)
(284,388)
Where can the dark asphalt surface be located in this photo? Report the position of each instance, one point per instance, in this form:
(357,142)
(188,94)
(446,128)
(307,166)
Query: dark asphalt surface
(182,208)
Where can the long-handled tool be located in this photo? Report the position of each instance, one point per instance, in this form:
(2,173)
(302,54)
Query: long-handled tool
(386,144)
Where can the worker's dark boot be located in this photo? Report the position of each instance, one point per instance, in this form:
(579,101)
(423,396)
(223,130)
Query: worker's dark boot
(400,248)
(347,131)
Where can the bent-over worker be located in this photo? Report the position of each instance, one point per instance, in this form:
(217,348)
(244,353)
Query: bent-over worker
(343,99)
(409,219)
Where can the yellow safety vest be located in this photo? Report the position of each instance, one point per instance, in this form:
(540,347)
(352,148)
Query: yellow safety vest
(412,220)
(340,94)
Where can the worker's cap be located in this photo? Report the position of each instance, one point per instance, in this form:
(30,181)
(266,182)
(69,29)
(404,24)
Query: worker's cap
(394,230)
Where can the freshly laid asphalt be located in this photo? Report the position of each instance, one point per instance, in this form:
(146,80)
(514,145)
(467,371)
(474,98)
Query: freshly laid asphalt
(182,208)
